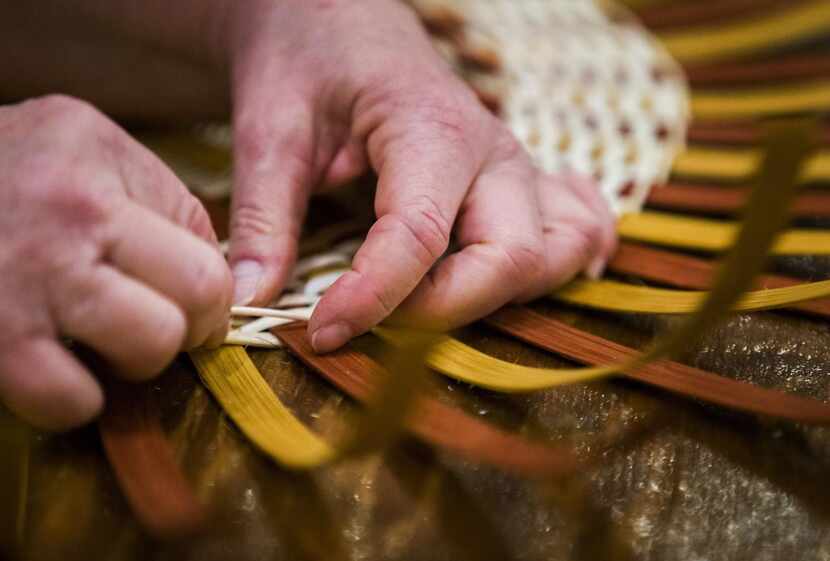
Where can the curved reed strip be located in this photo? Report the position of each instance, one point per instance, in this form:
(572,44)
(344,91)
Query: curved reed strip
(802,97)
(712,235)
(802,21)
(144,463)
(466,364)
(742,164)
(728,200)
(242,392)
(431,420)
(787,68)
(685,271)
(621,297)
(561,338)
(239,387)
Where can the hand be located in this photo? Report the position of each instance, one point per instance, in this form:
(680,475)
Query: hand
(102,244)
(322,90)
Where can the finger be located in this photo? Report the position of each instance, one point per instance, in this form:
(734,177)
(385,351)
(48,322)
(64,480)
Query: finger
(41,382)
(275,167)
(349,164)
(173,261)
(425,169)
(128,323)
(588,192)
(502,255)
(577,237)
(151,184)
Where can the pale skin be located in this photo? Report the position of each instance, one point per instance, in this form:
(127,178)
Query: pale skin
(101,243)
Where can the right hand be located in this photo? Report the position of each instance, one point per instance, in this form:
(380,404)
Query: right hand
(100,243)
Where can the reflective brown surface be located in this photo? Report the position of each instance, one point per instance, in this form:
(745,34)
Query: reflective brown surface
(697,483)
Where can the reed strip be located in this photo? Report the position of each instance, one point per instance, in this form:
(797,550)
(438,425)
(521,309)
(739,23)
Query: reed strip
(798,22)
(751,102)
(716,236)
(685,271)
(621,297)
(432,421)
(560,338)
(741,164)
(799,67)
(144,464)
(728,200)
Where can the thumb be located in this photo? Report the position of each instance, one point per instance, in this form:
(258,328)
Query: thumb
(274,168)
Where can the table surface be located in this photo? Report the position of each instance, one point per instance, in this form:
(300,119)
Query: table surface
(684,480)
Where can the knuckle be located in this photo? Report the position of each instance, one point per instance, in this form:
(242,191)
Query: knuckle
(75,206)
(170,329)
(524,258)
(257,141)
(194,217)
(250,220)
(70,111)
(211,284)
(507,147)
(424,221)
(444,116)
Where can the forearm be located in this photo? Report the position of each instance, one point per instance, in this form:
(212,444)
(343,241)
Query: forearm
(146,60)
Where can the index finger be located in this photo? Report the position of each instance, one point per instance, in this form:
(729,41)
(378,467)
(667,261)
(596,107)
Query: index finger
(424,173)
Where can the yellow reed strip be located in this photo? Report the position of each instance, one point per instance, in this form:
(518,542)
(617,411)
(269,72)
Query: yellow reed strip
(781,27)
(245,396)
(713,235)
(464,363)
(742,164)
(621,297)
(761,102)
(242,392)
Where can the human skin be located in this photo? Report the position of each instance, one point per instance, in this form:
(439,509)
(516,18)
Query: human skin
(319,92)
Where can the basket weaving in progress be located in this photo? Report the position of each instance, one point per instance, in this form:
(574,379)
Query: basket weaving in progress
(677,408)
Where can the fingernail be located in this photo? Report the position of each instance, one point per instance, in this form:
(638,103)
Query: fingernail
(595,268)
(246,275)
(331,337)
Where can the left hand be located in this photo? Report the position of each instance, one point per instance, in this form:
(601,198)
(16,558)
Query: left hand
(324,89)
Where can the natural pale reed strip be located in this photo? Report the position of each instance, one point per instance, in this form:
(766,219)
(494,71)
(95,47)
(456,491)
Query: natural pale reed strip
(245,396)
(713,235)
(250,311)
(737,103)
(256,339)
(741,164)
(262,324)
(621,297)
(587,348)
(800,22)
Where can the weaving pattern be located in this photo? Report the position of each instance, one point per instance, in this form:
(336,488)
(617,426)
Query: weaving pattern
(577,125)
